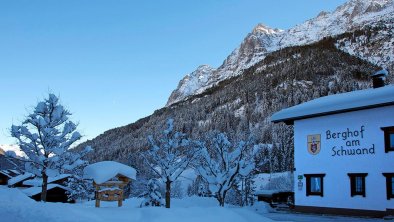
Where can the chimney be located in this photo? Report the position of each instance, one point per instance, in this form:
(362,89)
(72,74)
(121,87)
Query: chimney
(378,78)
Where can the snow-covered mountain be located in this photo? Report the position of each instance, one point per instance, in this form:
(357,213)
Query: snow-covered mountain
(252,49)
(13,148)
(193,82)
(352,16)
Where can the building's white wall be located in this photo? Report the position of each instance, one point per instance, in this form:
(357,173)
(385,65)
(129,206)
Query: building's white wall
(336,168)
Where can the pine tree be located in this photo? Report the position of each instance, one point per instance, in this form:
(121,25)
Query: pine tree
(79,188)
(153,195)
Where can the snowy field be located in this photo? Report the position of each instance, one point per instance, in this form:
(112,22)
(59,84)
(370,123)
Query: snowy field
(17,207)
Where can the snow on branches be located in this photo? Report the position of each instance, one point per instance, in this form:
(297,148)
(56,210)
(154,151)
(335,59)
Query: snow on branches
(223,163)
(170,155)
(153,195)
(45,137)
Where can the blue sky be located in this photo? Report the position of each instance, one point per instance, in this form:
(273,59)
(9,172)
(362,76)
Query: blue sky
(113,62)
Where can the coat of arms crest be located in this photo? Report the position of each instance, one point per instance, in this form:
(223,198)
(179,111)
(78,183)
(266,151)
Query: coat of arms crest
(314,144)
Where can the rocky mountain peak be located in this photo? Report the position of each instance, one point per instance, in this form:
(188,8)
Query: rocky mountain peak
(263,29)
(322,14)
(365,5)
(190,83)
(256,42)
(355,8)
(262,40)
(202,69)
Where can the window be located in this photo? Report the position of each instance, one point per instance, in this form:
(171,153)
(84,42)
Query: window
(389,185)
(357,183)
(388,138)
(392,186)
(314,184)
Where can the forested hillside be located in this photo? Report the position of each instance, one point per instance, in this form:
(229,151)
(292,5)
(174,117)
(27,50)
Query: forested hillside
(241,106)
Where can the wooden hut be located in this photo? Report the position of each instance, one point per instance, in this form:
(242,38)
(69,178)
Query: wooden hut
(18,180)
(109,179)
(4,177)
(55,193)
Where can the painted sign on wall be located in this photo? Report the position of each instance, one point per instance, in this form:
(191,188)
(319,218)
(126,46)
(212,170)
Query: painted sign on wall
(349,142)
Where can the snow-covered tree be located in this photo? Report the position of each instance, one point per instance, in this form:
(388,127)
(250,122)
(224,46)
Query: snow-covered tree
(46,137)
(222,163)
(199,187)
(203,190)
(153,195)
(247,189)
(169,156)
(177,190)
(79,188)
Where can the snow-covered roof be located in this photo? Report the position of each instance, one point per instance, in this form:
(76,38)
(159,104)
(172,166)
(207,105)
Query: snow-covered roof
(338,103)
(103,171)
(382,72)
(19,178)
(5,173)
(38,181)
(12,172)
(36,190)
(15,171)
(58,177)
(6,163)
(269,193)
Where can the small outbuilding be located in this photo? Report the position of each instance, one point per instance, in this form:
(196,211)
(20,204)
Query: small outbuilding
(109,179)
(17,181)
(4,177)
(55,193)
(344,152)
(13,172)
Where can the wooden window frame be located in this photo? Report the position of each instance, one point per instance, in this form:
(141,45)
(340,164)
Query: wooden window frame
(387,131)
(308,184)
(389,185)
(352,177)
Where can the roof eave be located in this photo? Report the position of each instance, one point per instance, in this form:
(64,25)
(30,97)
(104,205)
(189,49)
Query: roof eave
(290,121)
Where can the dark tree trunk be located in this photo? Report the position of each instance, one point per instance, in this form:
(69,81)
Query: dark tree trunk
(44,186)
(221,201)
(222,198)
(168,193)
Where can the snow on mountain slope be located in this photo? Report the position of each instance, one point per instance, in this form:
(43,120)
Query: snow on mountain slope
(192,82)
(351,16)
(257,43)
(348,17)
(377,48)
(13,148)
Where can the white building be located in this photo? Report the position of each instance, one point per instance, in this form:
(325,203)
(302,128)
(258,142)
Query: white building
(344,152)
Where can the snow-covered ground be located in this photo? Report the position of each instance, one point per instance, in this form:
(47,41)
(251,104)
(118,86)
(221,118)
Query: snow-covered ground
(17,207)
